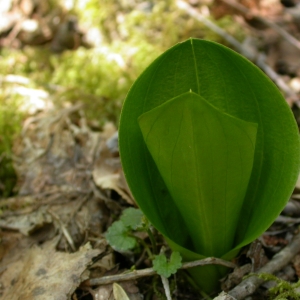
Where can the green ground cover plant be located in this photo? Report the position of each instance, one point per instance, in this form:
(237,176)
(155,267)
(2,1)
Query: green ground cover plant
(210,150)
(120,235)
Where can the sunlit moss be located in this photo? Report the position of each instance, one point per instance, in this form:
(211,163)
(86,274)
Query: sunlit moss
(10,126)
(133,34)
(283,290)
(103,75)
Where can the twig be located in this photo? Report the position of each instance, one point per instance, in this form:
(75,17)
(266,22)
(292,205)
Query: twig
(287,220)
(281,259)
(258,59)
(64,230)
(150,272)
(293,41)
(208,261)
(166,285)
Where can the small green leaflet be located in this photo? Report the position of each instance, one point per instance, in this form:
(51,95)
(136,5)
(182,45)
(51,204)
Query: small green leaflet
(164,267)
(132,218)
(117,236)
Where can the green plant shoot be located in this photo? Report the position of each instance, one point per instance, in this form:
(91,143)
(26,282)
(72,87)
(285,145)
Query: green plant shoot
(210,150)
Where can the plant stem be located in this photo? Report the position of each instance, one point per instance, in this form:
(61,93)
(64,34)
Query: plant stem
(152,240)
(150,254)
(194,285)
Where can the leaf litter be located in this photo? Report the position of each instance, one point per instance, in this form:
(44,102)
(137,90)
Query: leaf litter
(71,188)
(65,191)
(44,273)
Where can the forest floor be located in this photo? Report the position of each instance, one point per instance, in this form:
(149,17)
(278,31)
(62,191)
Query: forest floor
(70,186)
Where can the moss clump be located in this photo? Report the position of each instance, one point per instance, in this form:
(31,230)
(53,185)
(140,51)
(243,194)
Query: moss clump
(10,126)
(283,290)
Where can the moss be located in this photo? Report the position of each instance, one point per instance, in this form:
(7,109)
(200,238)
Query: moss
(283,290)
(133,33)
(10,126)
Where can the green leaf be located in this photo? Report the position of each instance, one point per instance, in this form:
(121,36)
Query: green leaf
(117,236)
(167,268)
(203,155)
(132,217)
(225,212)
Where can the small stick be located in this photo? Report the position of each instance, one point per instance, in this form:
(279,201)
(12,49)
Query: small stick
(150,272)
(281,259)
(64,230)
(166,285)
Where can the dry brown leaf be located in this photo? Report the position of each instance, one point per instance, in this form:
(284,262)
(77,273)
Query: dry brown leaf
(27,223)
(257,255)
(113,181)
(119,293)
(46,274)
(107,172)
(235,277)
(107,292)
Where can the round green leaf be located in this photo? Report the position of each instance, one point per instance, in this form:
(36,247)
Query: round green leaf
(118,237)
(132,217)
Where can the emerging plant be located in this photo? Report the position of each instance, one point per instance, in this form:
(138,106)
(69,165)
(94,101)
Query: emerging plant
(210,150)
(120,235)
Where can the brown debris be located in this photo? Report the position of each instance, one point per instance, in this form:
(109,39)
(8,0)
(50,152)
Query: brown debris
(30,22)
(71,185)
(296,264)
(41,272)
(257,255)
(58,160)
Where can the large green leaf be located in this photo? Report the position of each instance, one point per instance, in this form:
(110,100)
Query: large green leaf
(205,157)
(230,90)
